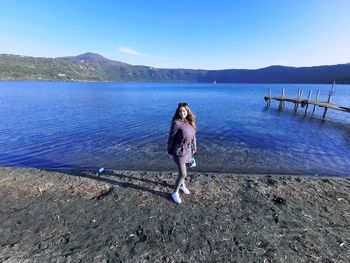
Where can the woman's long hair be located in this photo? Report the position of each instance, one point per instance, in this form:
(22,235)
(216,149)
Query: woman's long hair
(190,118)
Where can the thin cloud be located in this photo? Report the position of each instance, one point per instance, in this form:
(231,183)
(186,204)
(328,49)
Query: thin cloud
(140,58)
(131,51)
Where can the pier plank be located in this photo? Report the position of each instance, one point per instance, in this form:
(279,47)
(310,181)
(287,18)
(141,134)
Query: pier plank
(304,102)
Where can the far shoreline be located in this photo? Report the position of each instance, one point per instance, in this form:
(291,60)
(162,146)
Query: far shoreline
(171,82)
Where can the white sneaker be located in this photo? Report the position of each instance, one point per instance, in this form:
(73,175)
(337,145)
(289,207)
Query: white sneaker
(184,189)
(176,198)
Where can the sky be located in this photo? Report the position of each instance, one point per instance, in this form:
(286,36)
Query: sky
(198,34)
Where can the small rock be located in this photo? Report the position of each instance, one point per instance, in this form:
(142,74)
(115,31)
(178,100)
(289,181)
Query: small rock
(279,200)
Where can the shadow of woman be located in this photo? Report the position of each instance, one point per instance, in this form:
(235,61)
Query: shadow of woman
(120,180)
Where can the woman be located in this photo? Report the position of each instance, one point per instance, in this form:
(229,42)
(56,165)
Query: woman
(181,145)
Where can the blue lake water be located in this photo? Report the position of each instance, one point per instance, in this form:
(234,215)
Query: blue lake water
(65,125)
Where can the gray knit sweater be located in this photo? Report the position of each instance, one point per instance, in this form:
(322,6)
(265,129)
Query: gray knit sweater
(182,141)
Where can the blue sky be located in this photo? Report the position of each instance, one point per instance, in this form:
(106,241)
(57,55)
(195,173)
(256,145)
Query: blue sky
(181,33)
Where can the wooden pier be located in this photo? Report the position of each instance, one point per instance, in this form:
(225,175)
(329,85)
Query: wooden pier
(304,103)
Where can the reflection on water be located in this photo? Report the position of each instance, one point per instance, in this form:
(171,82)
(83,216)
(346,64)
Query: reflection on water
(125,126)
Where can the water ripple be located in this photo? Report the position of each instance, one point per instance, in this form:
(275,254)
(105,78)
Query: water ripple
(93,125)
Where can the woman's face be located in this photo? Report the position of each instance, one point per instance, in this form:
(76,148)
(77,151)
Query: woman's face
(183,112)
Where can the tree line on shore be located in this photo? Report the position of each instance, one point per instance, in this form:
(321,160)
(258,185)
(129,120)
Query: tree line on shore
(94,67)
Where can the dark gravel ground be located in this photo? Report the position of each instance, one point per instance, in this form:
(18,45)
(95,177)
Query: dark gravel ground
(128,216)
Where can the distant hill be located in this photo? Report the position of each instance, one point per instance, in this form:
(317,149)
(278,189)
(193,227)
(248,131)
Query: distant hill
(94,67)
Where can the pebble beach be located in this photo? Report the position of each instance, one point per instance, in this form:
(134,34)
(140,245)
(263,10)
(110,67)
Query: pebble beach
(128,216)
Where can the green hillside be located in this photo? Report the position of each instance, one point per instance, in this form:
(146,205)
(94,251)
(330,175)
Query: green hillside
(94,67)
(86,67)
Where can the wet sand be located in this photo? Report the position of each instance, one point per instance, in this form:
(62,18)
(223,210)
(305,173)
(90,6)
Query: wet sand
(128,216)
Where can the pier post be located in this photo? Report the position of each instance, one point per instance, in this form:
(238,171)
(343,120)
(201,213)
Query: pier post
(318,94)
(281,106)
(330,94)
(268,99)
(307,104)
(296,105)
